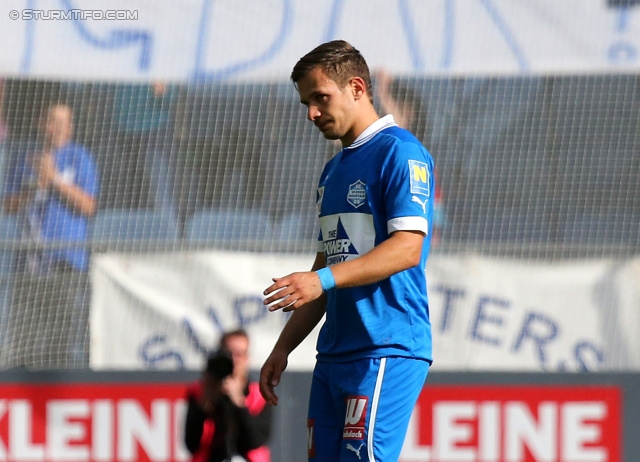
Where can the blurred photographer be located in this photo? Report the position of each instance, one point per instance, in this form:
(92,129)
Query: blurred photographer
(227,418)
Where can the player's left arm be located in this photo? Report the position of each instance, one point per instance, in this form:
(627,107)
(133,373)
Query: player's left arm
(401,251)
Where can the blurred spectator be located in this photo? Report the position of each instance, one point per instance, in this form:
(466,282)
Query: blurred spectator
(407,110)
(56,187)
(4,133)
(3,123)
(144,120)
(226,415)
(53,190)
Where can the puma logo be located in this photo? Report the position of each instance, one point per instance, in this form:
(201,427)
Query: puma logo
(357,451)
(423,204)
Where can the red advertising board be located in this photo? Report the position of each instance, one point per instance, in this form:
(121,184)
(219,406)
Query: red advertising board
(92,422)
(515,423)
(143,422)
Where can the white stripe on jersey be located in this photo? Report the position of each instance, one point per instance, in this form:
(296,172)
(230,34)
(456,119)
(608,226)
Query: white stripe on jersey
(408,224)
(374,408)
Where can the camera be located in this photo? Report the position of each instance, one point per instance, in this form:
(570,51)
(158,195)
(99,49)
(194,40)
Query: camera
(219,365)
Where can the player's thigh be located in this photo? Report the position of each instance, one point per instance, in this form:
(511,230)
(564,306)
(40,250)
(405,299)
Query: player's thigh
(360,410)
(397,390)
(326,416)
(378,407)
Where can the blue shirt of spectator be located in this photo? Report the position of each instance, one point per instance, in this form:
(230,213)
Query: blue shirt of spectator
(49,218)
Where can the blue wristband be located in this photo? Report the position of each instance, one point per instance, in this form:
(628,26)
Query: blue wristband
(326,279)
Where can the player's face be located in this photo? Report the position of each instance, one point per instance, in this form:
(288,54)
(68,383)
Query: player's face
(329,107)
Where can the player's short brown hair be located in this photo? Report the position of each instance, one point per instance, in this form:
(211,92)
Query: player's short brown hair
(339,60)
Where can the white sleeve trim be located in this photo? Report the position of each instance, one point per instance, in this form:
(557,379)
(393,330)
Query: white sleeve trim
(408,224)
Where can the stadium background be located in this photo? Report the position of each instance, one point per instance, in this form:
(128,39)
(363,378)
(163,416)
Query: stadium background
(532,113)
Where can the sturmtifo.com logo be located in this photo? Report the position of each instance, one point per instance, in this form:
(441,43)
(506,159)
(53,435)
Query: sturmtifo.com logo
(74,15)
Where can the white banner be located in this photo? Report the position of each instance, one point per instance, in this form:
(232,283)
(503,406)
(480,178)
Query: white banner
(165,310)
(525,316)
(245,39)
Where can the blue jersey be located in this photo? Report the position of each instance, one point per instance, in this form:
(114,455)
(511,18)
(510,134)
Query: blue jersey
(48,217)
(382,183)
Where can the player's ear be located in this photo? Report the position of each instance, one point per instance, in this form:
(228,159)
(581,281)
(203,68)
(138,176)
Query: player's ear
(358,87)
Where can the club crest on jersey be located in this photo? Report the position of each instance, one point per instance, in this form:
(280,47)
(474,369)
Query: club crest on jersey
(420,178)
(338,247)
(357,194)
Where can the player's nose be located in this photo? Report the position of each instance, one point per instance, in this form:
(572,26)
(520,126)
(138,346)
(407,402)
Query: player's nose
(312,113)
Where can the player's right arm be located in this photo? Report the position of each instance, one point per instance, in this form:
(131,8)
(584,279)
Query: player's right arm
(299,326)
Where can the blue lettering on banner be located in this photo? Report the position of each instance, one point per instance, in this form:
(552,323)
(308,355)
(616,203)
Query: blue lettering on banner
(585,350)
(261,53)
(488,325)
(271,49)
(540,330)
(193,337)
(194,340)
(155,352)
(249,309)
(482,317)
(450,294)
(211,312)
(266,55)
(622,51)
(116,39)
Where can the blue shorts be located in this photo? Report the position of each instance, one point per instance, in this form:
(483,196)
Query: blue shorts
(360,410)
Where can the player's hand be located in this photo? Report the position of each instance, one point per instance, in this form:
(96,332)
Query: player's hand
(270,374)
(293,291)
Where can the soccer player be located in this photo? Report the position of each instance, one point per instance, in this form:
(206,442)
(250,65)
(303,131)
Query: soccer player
(375,205)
